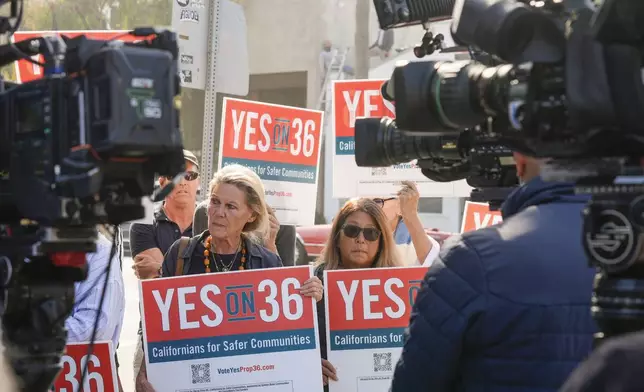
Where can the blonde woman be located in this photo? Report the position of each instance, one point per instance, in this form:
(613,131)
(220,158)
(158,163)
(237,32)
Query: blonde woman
(360,238)
(236,208)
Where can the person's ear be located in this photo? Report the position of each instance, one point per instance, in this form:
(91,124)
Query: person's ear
(521,162)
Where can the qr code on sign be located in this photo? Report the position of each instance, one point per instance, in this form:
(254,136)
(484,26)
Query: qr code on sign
(200,373)
(378,171)
(382,362)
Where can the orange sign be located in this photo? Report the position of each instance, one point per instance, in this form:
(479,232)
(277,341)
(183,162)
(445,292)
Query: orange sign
(26,71)
(478,215)
(353,99)
(259,131)
(101,368)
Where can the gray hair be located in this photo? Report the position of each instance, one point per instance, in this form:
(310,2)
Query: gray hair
(249,182)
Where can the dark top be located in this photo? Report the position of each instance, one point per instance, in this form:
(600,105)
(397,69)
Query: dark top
(505,308)
(258,257)
(616,366)
(160,234)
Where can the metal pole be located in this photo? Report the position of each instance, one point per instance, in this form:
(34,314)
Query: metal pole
(210,132)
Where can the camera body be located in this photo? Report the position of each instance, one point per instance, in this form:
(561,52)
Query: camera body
(568,88)
(78,148)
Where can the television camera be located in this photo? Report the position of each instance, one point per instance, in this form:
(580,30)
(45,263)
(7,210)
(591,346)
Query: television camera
(78,148)
(570,91)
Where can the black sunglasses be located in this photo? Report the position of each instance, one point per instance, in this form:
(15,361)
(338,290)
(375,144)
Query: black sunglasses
(352,231)
(191,175)
(381,202)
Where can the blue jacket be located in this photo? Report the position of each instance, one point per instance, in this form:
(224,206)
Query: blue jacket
(505,308)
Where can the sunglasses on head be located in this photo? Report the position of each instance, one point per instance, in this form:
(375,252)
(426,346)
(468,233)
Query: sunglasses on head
(353,231)
(381,202)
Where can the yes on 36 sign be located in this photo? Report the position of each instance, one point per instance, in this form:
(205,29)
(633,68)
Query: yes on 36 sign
(101,369)
(247,331)
(367,311)
(354,99)
(27,71)
(282,145)
(478,215)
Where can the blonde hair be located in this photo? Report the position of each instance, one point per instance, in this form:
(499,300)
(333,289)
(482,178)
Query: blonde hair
(249,182)
(387,255)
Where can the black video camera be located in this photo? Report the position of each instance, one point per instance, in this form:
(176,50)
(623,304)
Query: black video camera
(78,148)
(474,154)
(570,90)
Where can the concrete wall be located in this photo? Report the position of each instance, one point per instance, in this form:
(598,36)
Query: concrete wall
(286,36)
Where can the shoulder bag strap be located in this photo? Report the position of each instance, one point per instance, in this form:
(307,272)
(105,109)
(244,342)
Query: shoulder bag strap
(183,243)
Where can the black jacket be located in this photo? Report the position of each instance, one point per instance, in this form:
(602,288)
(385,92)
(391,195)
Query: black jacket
(505,308)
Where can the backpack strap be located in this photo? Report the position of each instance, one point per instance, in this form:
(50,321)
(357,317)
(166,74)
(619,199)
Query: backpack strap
(183,243)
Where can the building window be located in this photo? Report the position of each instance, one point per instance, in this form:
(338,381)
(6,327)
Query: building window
(433,205)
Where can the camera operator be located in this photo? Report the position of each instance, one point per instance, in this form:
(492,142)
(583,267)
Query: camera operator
(413,244)
(506,307)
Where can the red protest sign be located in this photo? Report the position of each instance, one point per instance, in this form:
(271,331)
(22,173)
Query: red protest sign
(26,71)
(101,368)
(213,311)
(367,299)
(478,215)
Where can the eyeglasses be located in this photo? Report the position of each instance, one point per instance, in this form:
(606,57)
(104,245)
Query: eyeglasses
(352,231)
(191,176)
(381,202)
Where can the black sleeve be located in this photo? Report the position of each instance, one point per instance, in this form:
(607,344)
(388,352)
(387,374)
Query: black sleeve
(169,265)
(142,238)
(285,243)
(319,272)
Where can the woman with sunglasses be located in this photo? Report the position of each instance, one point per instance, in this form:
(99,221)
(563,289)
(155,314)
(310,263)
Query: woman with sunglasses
(360,238)
(414,246)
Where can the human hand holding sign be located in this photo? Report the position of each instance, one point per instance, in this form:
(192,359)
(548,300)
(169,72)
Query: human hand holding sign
(328,372)
(313,288)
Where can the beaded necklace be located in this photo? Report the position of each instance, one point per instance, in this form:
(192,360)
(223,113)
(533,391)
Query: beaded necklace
(207,253)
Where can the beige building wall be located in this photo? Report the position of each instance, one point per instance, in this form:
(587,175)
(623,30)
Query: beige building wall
(285,36)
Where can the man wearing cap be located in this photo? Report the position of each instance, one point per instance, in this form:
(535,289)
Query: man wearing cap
(172,220)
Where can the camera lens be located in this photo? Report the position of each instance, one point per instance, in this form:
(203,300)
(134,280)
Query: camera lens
(445,97)
(380,143)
